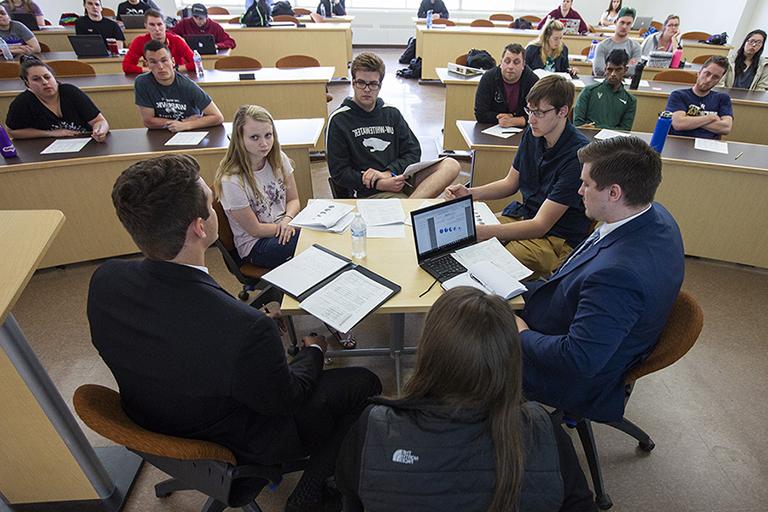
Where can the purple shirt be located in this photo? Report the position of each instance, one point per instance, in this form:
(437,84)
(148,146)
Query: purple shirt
(512,94)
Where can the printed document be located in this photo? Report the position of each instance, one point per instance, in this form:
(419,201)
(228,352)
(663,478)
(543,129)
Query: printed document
(66,146)
(414,168)
(321,214)
(504,133)
(487,276)
(381,212)
(483,215)
(346,300)
(186,139)
(305,270)
(715,146)
(605,134)
(492,250)
(388,231)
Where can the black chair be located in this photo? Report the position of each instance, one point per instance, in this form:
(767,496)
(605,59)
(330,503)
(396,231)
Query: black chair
(339,192)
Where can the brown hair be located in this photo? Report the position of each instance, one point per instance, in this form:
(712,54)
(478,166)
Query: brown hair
(470,357)
(152,13)
(368,61)
(157,200)
(628,162)
(515,48)
(720,60)
(543,40)
(555,89)
(30,61)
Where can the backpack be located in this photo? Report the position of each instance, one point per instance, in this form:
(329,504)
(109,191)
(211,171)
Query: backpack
(522,24)
(282,8)
(68,19)
(410,51)
(412,71)
(717,39)
(480,59)
(257,15)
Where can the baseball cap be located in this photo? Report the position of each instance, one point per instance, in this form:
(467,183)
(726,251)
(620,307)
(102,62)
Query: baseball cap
(199,10)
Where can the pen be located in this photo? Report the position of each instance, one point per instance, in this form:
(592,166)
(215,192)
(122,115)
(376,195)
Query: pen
(477,280)
(507,131)
(737,156)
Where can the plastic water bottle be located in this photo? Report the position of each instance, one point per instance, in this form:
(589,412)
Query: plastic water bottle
(592,51)
(638,74)
(7,55)
(8,150)
(322,10)
(677,56)
(661,131)
(199,69)
(429,19)
(358,237)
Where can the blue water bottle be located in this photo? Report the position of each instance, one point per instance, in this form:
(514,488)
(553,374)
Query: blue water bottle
(661,131)
(429,19)
(592,50)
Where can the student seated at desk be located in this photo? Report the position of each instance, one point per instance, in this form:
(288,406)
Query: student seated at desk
(611,14)
(25,7)
(169,100)
(607,104)
(619,40)
(257,190)
(52,109)
(664,41)
(132,7)
(565,12)
(543,229)
(700,111)
(438,8)
(20,40)
(500,95)
(548,51)
(748,66)
(369,144)
(199,24)
(94,23)
(155,25)
(461,436)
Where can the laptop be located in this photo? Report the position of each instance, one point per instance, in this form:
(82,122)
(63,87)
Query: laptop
(440,229)
(132,20)
(90,45)
(642,23)
(571,26)
(205,44)
(27,19)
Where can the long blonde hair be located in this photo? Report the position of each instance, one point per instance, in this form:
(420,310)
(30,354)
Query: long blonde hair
(237,161)
(543,40)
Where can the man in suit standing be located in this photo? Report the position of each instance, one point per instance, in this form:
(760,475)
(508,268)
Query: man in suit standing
(193,361)
(602,311)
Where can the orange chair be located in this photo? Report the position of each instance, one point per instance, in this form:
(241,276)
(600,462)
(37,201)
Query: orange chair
(9,70)
(500,16)
(44,48)
(234,21)
(316,18)
(676,76)
(585,50)
(237,62)
(106,11)
(481,23)
(296,61)
(443,21)
(695,36)
(63,68)
(287,17)
(533,19)
(657,25)
(217,10)
(701,59)
(461,60)
(300,11)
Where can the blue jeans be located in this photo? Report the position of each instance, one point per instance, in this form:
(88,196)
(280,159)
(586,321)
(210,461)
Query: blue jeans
(268,253)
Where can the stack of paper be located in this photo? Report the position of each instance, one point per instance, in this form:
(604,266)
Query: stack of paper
(324,215)
(488,277)
(492,250)
(504,133)
(483,215)
(384,218)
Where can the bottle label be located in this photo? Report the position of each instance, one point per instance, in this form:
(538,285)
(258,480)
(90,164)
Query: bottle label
(9,149)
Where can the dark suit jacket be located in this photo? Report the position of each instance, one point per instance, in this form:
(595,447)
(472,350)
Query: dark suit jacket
(601,316)
(193,361)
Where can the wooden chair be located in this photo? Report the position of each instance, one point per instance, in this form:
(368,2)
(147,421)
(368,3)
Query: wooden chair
(237,62)
(701,59)
(678,336)
(234,20)
(192,464)
(287,17)
(695,36)
(44,48)
(316,18)
(501,16)
(217,10)
(443,21)
(296,61)
(106,11)
(300,11)
(585,50)
(480,23)
(9,70)
(47,23)
(461,60)
(533,19)
(657,25)
(64,68)
(677,76)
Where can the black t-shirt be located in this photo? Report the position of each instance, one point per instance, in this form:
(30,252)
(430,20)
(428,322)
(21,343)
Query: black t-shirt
(26,111)
(105,27)
(129,8)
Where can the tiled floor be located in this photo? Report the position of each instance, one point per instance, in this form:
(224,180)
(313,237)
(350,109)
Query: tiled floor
(707,413)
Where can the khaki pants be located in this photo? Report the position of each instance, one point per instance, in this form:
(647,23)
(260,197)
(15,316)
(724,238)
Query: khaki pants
(542,255)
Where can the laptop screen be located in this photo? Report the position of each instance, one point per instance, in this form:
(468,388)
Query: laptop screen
(443,227)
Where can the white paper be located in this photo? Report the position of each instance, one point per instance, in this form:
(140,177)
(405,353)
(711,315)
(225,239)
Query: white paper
(321,214)
(541,73)
(388,231)
(304,270)
(483,215)
(66,146)
(715,146)
(381,212)
(346,300)
(186,139)
(605,134)
(628,81)
(492,250)
(578,83)
(424,204)
(504,133)
(418,166)
(488,277)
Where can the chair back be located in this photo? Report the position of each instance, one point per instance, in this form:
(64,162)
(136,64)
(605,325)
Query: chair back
(297,61)
(226,237)
(337,191)
(443,21)
(657,25)
(217,10)
(482,23)
(234,20)
(695,36)
(533,19)
(678,336)
(44,48)
(237,62)
(585,50)
(300,11)
(316,18)
(9,69)
(106,11)
(64,68)
(701,59)
(286,17)
(461,60)
(501,16)
(677,76)
(244,272)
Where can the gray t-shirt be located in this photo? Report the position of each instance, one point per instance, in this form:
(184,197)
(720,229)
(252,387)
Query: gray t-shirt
(606,46)
(180,100)
(17,33)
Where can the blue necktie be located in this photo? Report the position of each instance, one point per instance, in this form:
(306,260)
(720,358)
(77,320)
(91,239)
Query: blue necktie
(586,244)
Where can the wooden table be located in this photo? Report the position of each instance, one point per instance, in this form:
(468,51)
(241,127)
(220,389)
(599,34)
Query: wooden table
(718,201)
(749,108)
(286,93)
(394,259)
(584,67)
(114,65)
(80,184)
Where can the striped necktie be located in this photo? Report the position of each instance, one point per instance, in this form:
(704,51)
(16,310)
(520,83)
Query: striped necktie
(586,244)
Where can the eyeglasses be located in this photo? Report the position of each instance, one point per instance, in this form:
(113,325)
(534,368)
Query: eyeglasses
(538,114)
(755,42)
(362,84)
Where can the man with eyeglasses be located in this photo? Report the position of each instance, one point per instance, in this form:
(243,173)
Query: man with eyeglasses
(200,24)
(542,230)
(369,144)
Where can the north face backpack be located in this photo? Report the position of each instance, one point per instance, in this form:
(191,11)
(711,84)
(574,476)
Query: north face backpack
(282,8)
(257,15)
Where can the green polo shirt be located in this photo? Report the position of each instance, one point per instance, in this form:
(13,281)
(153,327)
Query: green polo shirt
(600,104)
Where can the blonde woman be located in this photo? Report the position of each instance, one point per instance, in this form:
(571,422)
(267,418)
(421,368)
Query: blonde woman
(548,51)
(664,41)
(257,191)
(25,7)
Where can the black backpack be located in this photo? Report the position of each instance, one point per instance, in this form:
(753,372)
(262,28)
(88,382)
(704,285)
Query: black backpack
(480,59)
(522,24)
(410,51)
(717,39)
(282,8)
(257,15)
(412,71)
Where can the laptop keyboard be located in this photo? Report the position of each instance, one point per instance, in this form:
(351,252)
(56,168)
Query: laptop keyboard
(445,267)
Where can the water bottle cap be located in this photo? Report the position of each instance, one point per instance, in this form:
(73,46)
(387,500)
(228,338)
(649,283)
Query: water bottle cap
(665,115)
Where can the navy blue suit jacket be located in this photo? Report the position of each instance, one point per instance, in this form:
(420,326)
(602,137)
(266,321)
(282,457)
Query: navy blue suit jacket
(601,316)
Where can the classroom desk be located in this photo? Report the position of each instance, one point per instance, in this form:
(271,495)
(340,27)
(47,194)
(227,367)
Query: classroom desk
(286,93)
(465,22)
(224,18)
(584,67)
(394,259)
(80,185)
(749,108)
(439,46)
(718,201)
(114,64)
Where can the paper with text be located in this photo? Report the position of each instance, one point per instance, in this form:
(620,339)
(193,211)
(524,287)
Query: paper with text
(504,133)
(418,166)
(715,146)
(186,139)
(381,212)
(424,204)
(483,215)
(492,250)
(346,300)
(66,146)
(304,270)
(606,134)
(322,214)
(388,231)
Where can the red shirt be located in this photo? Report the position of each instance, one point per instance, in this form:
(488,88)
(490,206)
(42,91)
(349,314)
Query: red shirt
(180,51)
(188,27)
(512,95)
